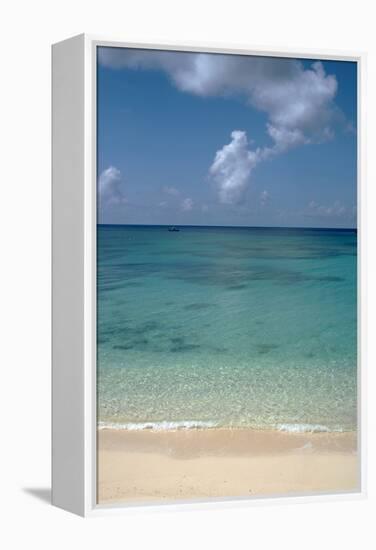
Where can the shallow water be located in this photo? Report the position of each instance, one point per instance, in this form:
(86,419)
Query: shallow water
(227,327)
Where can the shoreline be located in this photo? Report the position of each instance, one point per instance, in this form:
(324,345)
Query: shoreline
(203,425)
(150,465)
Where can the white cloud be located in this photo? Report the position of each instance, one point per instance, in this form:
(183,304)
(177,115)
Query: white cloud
(187,204)
(232,167)
(110,187)
(298,102)
(284,139)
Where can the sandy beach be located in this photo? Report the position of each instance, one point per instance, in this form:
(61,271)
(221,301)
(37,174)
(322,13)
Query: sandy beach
(146,465)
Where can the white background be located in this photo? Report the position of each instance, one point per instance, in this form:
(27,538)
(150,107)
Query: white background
(28,29)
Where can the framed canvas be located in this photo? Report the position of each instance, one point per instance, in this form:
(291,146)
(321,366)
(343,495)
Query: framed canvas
(208,296)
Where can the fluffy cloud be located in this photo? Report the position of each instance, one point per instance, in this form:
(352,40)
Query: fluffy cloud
(298,102)
(187,204)
(110,187)
(232,167)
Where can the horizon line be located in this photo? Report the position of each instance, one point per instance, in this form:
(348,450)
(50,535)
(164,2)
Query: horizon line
(227,226)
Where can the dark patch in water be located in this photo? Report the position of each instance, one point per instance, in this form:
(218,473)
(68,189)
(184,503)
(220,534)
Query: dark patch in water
(282,252)
(116,330)
(236,287)
(122,347)
(133,340)
(179,345)
(197,307)
(237,277)
(216,273)
(184,347)
(265,348)
(330,279)
(141,342)
(148,326)
(134,333)
(178,340)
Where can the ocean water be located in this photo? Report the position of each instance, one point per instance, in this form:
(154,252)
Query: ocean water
(227,327)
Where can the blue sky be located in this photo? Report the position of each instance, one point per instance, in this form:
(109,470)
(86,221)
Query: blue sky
(225,140)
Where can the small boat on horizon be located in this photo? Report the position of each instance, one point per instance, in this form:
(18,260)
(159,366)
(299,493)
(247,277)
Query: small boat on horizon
(173,229)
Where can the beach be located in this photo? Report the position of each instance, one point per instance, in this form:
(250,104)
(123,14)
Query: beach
(168,465)
(227,362)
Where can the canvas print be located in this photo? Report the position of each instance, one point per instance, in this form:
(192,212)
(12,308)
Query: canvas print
(226,276)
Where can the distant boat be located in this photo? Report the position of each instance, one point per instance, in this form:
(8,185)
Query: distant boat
(173,229)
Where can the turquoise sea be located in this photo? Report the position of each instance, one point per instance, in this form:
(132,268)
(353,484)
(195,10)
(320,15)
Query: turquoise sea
(221,326)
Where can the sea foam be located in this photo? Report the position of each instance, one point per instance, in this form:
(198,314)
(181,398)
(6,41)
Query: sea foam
(306,428)
(157,426)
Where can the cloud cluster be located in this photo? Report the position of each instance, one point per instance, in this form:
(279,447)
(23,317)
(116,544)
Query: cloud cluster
(110,187)
(298,101)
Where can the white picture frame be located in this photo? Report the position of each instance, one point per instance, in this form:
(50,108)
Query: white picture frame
(74,473)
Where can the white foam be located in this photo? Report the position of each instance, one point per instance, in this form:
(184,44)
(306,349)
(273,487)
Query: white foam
(157,426)
(306,428)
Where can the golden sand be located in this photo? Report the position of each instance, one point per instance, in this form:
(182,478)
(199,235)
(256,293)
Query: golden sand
(142,466)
